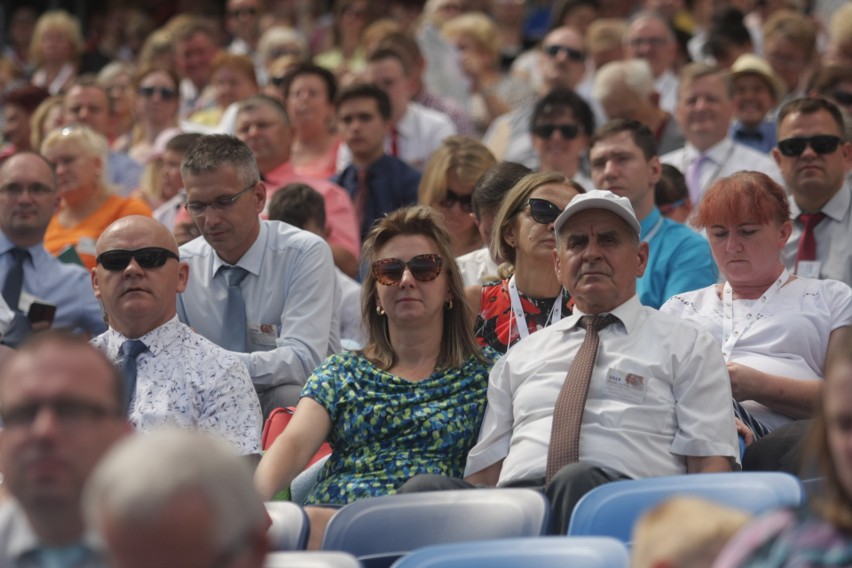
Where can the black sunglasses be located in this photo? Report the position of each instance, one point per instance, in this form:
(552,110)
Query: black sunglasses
(166,93)
(452,197)
(822,144)
(423,267)
(568,131)
(149,257)
(570,52)
(843,97)
(541,210)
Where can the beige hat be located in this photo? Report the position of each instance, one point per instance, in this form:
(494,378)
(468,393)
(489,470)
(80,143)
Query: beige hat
(751,64)
(599,199)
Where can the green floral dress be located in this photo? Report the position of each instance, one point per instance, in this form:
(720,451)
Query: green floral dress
(386,429)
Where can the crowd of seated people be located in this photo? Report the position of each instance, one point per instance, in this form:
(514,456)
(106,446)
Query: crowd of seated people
(472,243)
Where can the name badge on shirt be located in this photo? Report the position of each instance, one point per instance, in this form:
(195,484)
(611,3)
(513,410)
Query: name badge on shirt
(625,386)
(808,268)
(263,334)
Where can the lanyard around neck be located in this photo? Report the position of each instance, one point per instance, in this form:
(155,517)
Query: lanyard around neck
(730,336)
(520,318)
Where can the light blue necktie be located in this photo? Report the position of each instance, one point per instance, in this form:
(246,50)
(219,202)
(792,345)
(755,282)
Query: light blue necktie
(129,351)
(234,332)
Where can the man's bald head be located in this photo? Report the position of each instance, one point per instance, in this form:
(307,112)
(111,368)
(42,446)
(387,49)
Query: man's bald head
(138,275)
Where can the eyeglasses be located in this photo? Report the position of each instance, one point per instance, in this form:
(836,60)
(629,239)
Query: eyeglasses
(69,412)
(570,52)
(541,210)
(238,12)
(165,93)
(822,144)
(568,131)
(197,208)
(15,190)
(842,97)
(149,257)
(423,267)
(452,198)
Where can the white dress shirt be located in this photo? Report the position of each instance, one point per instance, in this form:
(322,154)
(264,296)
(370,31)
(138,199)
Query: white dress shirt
(788,338)
(666,85)
(291,297)
(723,159)
(188,381)
(833,235)
(476,266)
(680,405)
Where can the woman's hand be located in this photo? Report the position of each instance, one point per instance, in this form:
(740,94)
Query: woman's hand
(744,431)
(746,382)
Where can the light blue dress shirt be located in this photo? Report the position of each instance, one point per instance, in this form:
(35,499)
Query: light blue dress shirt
(67,286)
(123,172)
(679,261)
(291,297)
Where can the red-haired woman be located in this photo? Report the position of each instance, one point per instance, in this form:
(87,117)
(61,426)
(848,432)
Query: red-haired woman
(775,329)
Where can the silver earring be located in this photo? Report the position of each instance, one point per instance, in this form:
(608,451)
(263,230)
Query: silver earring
(380,311)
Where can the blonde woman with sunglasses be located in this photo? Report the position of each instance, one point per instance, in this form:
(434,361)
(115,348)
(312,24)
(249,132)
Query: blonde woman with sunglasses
(527,295)
(412,400)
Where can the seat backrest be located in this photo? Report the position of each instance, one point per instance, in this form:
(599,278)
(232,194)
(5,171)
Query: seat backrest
(612,509)
(310,560)
(290,526)
(381,529)
(277,422)
(538,552)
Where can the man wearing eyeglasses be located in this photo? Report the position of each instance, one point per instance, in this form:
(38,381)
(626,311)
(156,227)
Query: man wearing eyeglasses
(815,160)
(61,406)
(263,290)
(172,374)
(29,275)
(623,158)
(649,36)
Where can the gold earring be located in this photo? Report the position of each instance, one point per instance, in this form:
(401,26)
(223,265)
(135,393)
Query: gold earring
(380,311)
(450,304)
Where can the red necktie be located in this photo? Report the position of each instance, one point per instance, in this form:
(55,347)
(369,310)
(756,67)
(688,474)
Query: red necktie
(394,142)
(807,242)
(568,412)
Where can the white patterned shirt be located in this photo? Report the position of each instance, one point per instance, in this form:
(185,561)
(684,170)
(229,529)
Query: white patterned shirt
(188,381)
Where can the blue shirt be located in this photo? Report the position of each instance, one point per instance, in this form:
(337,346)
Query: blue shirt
(67,286)
(123,172)
(392,182)
(679,261)
(763,138)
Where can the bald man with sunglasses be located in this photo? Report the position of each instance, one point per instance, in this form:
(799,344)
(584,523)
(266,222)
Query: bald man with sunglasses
(172,374)
(815,162)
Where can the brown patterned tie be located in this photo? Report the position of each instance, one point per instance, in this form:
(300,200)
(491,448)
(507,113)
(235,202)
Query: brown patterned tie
(568,412)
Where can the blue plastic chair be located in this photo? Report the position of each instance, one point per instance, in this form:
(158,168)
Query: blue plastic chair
(310,560)
(612,509)
(536,552)
(380,530)
(290,526)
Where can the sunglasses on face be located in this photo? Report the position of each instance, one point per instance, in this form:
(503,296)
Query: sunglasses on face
(568,131)
(165,93)
(452,198)
(822,144)
(149,257)
(542,211)
(570,52)
(423,267)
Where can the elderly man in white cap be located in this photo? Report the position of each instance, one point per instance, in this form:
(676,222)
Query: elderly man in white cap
(614,391)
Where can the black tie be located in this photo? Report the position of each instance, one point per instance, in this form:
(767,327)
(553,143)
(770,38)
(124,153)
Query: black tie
(15,278)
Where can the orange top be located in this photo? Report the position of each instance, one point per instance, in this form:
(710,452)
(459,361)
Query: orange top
(85,234)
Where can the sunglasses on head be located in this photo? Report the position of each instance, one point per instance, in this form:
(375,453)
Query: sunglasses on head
(452,198)
(568,131)
(541,210)
(423,267)
(165,93)
(822,144)
(570,52)
(149,257)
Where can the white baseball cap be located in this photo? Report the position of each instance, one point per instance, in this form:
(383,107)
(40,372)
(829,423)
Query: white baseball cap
(599,199)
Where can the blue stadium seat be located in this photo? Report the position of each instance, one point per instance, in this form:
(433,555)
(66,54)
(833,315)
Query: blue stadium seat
(290,526)
(535,552)
(310,560)
(612,509)
(380,530)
